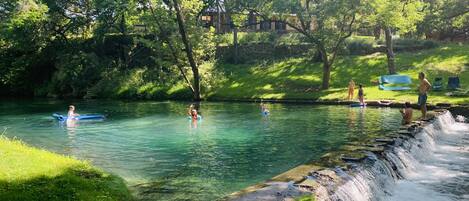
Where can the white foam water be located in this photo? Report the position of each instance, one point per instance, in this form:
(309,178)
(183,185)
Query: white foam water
(432,167)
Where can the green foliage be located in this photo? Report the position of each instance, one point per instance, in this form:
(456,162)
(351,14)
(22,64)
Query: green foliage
(261,37)
(412,44)
(76,74)
(91,48)
(258,37)
(28,173)
(396,14)
(444,19)
(360,45)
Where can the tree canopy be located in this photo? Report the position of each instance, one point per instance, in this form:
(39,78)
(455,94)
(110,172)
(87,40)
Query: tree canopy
(78,48)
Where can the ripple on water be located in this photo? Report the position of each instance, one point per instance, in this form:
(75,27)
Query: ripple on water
(231,148)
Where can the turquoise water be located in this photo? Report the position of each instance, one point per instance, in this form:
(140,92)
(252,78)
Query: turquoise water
(234,146)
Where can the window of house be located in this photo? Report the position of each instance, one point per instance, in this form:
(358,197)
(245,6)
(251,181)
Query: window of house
(280,26)
(206,18)
(266,25)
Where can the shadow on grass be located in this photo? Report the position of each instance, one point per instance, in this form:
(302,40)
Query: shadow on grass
(71,184)
(300,78)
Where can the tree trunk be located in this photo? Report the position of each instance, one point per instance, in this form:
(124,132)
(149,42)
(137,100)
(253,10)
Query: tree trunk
(389,51)
(235,44)
(219,31)
(326,70)
(188,50)
(377,32)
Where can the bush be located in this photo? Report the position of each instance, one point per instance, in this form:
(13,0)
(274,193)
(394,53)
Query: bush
(258,37)
(410,44)
(428,44)
(261,37)
(359,45)
(291,39)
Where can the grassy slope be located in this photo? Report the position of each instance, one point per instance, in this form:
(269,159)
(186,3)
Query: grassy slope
(298,78)
(28,173)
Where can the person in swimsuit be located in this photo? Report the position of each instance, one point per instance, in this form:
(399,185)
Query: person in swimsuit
(424,87)
(361,95)
(192,112)
(351,89)
(71,112)
(406,114)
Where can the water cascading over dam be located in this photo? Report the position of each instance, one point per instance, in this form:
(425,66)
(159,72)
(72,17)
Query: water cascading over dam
(432,166)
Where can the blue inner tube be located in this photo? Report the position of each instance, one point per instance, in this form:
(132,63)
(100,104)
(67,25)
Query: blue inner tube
(357,105)
(265,113)
(198,117)
(81,117)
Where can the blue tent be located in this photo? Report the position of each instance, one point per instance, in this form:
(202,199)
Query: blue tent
(394,79)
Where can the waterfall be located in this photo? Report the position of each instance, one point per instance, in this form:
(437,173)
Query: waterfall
(431,166)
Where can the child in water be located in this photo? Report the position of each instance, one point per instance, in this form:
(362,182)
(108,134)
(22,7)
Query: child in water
(406,114)
(192,112)
(71,112)
(264,109)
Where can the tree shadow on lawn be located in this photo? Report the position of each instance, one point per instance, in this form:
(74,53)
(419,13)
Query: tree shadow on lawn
(297,78)
(71,184)
(301,78)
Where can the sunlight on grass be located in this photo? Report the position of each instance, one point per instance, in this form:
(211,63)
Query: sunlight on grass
(32,174)
(298,78)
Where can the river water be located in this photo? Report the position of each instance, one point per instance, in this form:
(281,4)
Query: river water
(233,147)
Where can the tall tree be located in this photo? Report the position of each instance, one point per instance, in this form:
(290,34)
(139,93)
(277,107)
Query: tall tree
(188,49)
(445,19)
(177,29)
(325,23)
(394,15)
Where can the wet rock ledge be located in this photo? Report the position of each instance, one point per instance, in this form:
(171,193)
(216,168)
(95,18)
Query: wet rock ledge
(322,178)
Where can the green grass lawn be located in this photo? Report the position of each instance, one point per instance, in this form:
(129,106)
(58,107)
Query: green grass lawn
(299,78)
(28,173)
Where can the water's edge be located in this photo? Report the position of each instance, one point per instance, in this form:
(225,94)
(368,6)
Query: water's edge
(341,176)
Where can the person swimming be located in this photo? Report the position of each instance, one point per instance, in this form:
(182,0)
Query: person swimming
(192,112)
(406,114)
(71,112)
(264,109)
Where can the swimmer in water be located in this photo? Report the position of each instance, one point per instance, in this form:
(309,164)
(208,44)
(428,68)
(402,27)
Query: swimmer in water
(192,112)
(264,109)
(71,112)
(406,114)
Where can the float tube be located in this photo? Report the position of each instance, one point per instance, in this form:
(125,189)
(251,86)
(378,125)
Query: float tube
(357,105)
(81,117)
(198,117)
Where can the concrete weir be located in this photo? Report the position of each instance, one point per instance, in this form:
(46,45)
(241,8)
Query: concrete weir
(326,178)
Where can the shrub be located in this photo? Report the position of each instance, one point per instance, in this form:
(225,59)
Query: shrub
(428,44)
(359,45)
(258,37)
(290,39)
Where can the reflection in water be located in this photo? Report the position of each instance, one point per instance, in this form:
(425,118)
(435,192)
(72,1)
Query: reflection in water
(71,125)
